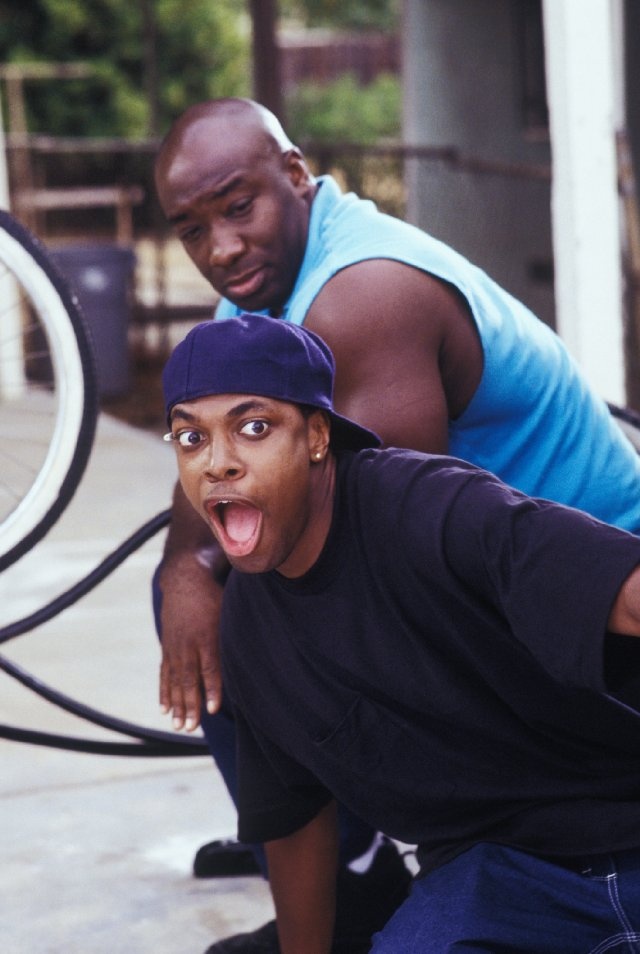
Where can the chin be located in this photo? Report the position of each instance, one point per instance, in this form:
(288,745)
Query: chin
(250,564)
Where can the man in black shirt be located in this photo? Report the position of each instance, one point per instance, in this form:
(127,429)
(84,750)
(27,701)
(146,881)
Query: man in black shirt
(406,634)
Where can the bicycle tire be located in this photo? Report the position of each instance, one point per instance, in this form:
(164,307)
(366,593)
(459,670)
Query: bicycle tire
(48,391)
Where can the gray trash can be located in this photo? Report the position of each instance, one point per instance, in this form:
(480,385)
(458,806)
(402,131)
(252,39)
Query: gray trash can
(101,276)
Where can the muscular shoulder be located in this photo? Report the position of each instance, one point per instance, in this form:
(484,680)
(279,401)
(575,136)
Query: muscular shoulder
(379,296)
(391,325)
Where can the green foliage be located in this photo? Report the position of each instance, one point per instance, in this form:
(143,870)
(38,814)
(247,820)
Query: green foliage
(201,50)
(345,111)
(204,52)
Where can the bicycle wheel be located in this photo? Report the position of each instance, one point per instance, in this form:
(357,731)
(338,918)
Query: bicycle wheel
(48,395)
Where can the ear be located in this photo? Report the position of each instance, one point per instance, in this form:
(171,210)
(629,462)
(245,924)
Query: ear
(318,431)
(296,168)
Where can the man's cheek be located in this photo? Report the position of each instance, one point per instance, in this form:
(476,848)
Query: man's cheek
(190,491)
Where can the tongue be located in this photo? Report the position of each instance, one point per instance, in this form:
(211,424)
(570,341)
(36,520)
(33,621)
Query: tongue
(240,522)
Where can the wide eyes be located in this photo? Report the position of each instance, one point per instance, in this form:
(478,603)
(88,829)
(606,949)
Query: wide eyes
(184,438)
(188,438)
(192,438)
(256,428)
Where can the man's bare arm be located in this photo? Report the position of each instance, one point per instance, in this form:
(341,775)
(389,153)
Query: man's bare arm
(625,614)
(408,356)
(302,876)
(190,580)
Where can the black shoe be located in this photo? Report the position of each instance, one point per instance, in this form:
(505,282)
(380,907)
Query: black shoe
(364,904)
(225,859)
(262,941)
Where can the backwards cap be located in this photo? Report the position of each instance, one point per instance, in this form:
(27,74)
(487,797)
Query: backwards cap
(253,354)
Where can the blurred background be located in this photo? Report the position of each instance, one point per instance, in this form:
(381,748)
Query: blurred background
(89,86)
(436,109)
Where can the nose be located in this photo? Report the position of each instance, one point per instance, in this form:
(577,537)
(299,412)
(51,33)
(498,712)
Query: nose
(222,462)
(226,247)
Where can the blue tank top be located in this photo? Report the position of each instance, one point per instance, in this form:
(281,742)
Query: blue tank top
(533,421)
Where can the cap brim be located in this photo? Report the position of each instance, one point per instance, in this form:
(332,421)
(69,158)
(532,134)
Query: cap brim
(347,435)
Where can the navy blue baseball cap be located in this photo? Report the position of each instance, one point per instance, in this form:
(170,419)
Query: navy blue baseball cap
(253,354)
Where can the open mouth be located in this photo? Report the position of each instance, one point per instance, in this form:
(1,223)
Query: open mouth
(236,525)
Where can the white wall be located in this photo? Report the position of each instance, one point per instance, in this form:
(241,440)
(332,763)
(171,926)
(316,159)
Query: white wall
(584,65)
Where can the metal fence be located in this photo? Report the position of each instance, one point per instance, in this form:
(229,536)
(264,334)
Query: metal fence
(97,189)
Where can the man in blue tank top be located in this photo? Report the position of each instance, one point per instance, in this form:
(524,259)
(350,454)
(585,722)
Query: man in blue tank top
(430,353)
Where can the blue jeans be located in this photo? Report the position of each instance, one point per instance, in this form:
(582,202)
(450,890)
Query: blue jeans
(502,901)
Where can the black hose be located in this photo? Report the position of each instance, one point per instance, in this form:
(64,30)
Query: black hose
(89,582)
(153,736)
(151,742)
(74,744)
(626,415)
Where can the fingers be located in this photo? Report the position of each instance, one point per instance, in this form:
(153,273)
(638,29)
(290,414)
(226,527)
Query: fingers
(212,681)
(190,704)
(180,695)
(190,671)
(165,686)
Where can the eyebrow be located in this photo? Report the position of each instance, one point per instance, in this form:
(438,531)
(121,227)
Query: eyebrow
(216,192)
(253,404)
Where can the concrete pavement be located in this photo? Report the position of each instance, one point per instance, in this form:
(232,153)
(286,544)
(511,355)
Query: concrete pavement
(97,850)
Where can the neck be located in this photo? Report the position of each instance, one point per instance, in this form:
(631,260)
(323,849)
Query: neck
(323,491)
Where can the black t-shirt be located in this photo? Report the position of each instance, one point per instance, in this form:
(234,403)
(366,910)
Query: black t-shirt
(440,670)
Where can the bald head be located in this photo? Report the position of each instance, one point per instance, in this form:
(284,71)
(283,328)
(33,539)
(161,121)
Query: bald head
(238,117)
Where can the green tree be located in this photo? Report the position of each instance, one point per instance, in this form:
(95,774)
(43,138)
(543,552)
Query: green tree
(201,50)
(345,111)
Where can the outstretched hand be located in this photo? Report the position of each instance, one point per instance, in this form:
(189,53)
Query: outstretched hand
(190,669)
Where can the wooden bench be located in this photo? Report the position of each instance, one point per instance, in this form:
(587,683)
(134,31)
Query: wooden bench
(122,198)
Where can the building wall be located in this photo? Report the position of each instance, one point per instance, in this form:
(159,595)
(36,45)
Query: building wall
(321,56)
(464,68)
